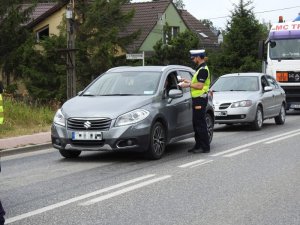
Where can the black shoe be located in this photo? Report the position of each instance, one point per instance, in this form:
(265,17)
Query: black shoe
(198,150)
(206,151)
(194,149)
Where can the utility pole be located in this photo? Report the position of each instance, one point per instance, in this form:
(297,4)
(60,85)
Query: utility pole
(71,70)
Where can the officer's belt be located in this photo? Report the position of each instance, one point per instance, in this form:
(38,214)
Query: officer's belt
(202,96)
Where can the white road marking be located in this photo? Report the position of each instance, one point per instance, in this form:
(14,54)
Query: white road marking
(81,197)
(124,190)
(237,152)
(282,138)
(253,143)
(192,163)
(200,164)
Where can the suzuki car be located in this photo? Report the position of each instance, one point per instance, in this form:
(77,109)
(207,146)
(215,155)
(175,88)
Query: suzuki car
(128,108)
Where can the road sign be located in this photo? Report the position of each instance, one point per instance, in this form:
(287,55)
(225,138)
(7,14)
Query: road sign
(135,56)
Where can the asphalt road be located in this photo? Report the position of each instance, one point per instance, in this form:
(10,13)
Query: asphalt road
(250,177)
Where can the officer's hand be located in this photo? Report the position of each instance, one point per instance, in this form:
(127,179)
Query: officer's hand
(184,84)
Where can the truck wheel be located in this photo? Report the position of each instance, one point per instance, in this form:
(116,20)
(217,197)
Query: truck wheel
(280,119)
(69,153)
(258,122)
(158,138)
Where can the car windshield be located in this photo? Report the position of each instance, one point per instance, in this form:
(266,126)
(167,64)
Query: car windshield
(124,83)
(236,83)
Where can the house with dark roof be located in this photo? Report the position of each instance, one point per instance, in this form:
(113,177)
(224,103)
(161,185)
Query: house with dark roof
(150,18)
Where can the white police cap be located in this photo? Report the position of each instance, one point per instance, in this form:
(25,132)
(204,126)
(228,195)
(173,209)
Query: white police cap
(195,53)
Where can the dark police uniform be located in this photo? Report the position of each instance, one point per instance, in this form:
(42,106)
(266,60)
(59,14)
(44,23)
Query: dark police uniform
(200,99)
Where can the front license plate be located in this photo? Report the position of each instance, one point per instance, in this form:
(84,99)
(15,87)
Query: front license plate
(86,135)
(220,113)
(294,106)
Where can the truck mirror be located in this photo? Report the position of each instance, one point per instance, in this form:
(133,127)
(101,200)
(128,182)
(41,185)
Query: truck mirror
(261,49)
(272,44)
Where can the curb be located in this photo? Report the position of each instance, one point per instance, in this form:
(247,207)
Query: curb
(25,149)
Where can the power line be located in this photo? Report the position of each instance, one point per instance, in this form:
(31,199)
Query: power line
(272,10)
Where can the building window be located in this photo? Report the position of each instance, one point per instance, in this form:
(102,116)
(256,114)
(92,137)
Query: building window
(42,33)
(170,33)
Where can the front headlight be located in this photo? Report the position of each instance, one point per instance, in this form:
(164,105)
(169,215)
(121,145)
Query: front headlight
(59,118)
(131,117)
(245,103)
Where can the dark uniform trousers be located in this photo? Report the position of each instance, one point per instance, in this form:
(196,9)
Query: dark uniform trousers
(2,213)
(199,123)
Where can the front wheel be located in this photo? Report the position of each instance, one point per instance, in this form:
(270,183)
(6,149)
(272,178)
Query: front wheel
(158,138)
(69,153)
(280,119)
(258,121)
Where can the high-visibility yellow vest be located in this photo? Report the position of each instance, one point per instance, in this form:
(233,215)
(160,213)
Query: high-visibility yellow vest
(1,110)
(196,92)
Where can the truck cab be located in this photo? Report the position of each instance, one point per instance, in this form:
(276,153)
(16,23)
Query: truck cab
(283,58)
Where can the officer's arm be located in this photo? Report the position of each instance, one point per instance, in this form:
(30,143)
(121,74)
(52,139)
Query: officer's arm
(198,85)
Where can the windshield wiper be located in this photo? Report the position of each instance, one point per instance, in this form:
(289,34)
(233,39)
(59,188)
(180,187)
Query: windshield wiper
(87,95)
(118,95)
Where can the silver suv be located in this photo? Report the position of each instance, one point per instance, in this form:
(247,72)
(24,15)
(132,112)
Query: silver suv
(128,108)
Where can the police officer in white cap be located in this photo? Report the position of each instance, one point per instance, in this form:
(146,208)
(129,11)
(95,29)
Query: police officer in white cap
(199,86)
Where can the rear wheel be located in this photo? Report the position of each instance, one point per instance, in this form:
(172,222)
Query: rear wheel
(69,153)
(210,126)
(157,141)
(280,119)
(258,122)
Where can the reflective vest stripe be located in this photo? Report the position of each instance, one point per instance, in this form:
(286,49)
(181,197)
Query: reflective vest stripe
(196,92)
(1,110)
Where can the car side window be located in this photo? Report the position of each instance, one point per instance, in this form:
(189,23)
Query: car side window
(186,75)
(272,82)
(170,83)
(264,82)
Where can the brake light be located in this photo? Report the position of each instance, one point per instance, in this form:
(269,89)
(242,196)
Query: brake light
(282,76)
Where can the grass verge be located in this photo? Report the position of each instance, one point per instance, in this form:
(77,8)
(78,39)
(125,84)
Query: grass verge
(24,118)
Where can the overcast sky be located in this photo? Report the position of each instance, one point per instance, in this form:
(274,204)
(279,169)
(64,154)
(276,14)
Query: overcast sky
(265,10)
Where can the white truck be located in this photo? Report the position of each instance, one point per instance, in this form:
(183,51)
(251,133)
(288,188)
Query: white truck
(283,58)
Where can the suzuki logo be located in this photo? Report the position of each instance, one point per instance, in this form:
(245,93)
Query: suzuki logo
(87,124)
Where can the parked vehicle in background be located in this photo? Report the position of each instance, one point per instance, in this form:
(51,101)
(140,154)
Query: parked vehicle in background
(248,98)
(128,108)
(283,58)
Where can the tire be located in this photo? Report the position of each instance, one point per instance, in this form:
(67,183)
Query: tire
(280,119)
(258,122)
(210,126)
(69,153)
(157,144)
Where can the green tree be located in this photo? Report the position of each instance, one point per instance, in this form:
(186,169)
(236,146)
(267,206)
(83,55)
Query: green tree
(208,23)
(177,50)
(98,36)
(13,33)
(179,4)
(97,27)
(240,47)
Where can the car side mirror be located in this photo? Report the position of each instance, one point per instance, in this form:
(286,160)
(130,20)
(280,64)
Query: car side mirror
(268,88)
(174,93)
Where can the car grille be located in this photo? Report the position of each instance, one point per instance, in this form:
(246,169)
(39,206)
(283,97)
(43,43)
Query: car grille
(231,117)
(89,123)
(224,105)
